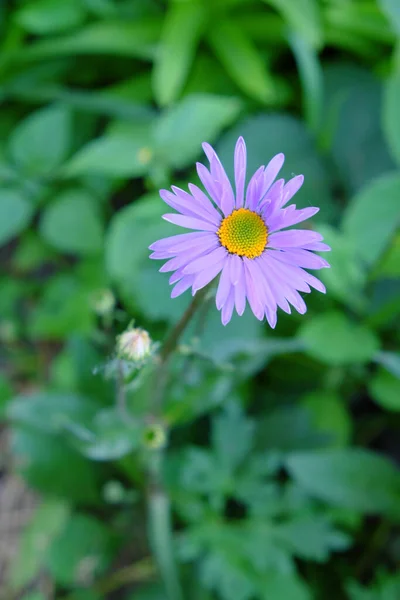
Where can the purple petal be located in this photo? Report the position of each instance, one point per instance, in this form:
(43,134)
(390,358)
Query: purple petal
(198,241)
(240,295)
(290,216)
(293,276)
(271,171)
(189,205)
(317,247)
(300,258)
(282,286)
(273,198)
(182,285)
(295,238)
(253,193)
(207,261)
(169,242)
(204,200)
(189,222)
(236,269)
(176,276)
(183,259)
(211,186)
(274,283)
(292,186)
(204,277)
(252,289)
(240,171)
(227,309)
(224,286)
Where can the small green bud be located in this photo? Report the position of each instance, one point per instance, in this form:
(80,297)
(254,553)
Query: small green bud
(155,437)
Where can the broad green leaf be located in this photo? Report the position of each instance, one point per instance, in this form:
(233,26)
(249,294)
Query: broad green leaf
(49,411)
(268,134)
(347,269)
(135,39)
(116,154)
(352,478)
(353,128)
(335,340)
(392,10)
(48,464)
(303,16)
(181,130)
(390,114)
(385,390)
(42,17)
(287,429)
(283,585)
(242,61)
(373,216)
(107,437)
(181,32)
(329,415)
(72,223)
(232,436)
(391,362)
(311,76)
(80,551)
(15,214)
(48,519)
(55,318)
(42,141)
(310,537)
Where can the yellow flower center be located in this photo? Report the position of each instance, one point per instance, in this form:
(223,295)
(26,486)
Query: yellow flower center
(243,233)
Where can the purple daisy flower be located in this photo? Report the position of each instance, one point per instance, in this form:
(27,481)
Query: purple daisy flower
(239,237)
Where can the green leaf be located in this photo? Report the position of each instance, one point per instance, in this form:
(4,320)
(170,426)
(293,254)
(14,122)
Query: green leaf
(373,216)
(181,32)
(353,126)
(310,537)
(81,551)
(311,76)
(135,39)
(329,415)
(392,10)
(6,393)
(351,478)
(42,141)
(390,114)
(303,16)
(335,340)
(287,429)
(242,60)
(391,362)
(48,519)
(117,154)
(284,585)
(232,436)
(267,135)
(347,269)
(180,131)
(72,223)
(107,437)
(15,214)
(48,464)
(43,17)
(385,390)
(50,412)
(54,318)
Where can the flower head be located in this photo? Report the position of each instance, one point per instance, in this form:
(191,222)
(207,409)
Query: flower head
(243,238)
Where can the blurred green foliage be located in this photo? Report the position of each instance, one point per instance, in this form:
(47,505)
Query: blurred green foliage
(283,444)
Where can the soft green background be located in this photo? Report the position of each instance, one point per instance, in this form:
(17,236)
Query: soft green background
(281,465)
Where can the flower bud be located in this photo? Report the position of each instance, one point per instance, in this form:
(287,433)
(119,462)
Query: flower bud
(134,344)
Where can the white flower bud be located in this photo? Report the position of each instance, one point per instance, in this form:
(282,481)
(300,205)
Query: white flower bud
(134,345)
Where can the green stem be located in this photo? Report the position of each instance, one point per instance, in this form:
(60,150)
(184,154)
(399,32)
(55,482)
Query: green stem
(160,526)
